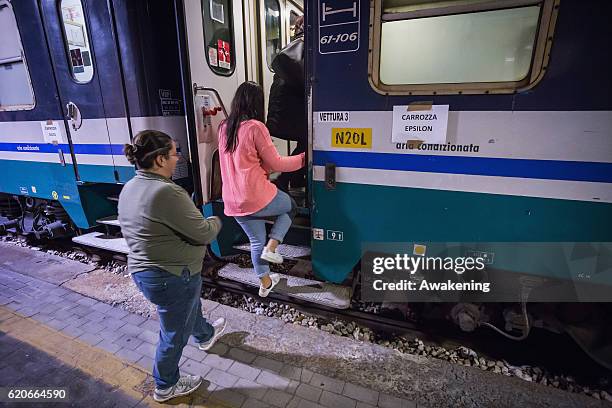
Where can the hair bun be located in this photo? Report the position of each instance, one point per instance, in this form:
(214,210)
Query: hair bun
(130,152)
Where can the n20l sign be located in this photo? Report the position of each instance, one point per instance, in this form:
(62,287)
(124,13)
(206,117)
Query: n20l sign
(338,26)
(421,122)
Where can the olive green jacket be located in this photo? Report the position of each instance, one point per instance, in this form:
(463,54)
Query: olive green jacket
(162,226)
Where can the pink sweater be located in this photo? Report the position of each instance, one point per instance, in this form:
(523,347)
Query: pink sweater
(246,188)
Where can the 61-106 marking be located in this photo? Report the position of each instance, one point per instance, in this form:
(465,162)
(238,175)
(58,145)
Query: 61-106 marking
(326,39)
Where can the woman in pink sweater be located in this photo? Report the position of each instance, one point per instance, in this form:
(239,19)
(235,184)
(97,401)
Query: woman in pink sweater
(247,156)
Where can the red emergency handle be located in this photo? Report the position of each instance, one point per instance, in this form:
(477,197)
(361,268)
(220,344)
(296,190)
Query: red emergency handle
(211,111)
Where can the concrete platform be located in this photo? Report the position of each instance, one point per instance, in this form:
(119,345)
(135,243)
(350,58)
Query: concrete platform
(260,361)
(43,266)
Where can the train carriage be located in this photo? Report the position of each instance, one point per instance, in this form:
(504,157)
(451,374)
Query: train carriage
(481,123)
(78,80)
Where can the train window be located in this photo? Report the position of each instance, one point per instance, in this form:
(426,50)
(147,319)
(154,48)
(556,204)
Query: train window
(219,36)
(273,30)
(16,91)
(76,40)
(471,46)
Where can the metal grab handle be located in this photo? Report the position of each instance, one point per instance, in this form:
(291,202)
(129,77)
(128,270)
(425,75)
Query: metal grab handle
(74,114)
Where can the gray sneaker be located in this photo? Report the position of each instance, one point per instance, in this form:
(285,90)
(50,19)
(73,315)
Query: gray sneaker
(219,326)
(185,386)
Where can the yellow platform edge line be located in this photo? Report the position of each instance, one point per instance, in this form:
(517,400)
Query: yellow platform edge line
(93,361)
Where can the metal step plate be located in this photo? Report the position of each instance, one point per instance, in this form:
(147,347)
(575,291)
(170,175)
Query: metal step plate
(287,251)
(100,240)
(323,293)
(112,220)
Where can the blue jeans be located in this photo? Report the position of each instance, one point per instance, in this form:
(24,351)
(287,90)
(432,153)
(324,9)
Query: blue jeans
(180,315)
(282,207)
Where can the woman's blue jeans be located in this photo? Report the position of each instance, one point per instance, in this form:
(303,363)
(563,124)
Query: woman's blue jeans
(180,315)
(282,207)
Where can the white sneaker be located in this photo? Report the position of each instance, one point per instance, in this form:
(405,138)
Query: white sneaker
(270,256)
(219,326)
(185,386)
(275,278)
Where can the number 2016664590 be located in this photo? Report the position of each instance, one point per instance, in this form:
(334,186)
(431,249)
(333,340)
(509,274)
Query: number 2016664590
(338,38)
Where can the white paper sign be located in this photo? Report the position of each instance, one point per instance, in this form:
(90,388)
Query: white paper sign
(212,56)
(52,132)
(411,123)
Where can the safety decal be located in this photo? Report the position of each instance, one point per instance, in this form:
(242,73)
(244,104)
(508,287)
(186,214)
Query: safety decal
(223,51)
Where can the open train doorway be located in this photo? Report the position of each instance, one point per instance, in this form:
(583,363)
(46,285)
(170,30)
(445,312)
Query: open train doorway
(230,42)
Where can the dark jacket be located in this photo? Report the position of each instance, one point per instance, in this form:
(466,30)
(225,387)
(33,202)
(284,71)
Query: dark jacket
(287,105)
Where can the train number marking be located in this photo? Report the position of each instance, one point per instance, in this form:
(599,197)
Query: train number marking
(335,235)
(339,26)
(354,138)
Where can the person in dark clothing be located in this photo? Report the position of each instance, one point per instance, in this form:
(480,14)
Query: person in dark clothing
(287,107)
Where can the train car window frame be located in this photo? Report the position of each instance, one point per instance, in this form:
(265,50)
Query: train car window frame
(270,56)
(5,63)
(83,54)
(223,16)
(539,58)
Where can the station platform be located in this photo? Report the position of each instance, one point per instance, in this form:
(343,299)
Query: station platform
(51,336)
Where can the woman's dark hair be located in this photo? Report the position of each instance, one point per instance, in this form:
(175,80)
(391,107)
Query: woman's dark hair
(145,148)
(248,103)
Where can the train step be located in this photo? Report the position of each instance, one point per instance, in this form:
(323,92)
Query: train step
(102,241)
(112,220)
(287,251)
(309,290)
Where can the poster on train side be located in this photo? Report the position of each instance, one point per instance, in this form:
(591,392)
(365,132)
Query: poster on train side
(423,122)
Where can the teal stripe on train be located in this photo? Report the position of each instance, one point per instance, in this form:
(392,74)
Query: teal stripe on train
(84,203)
(105,174)
(369,213)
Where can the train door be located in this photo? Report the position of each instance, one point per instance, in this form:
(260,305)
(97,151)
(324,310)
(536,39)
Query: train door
(88,86)
(217,66)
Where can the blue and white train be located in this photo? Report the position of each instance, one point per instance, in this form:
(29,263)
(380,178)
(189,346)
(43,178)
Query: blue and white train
(430,122)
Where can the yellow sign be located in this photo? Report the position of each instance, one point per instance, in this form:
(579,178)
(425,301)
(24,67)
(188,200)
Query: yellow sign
(419,250)
(355,138)
(54,195)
